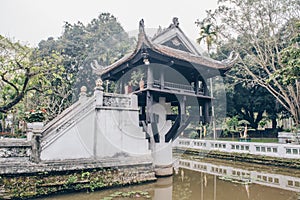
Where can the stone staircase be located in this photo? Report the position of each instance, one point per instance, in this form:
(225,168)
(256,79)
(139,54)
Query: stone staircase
(66,119)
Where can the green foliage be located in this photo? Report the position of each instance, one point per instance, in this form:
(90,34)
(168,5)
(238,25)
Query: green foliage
(250,102)
(232,123)
(35,115)
(24,73)
(128,195)
(193,135)
(262,123)
(72,179)
(136,76)
(208,34)
(291,60)
(265,34)
(51,75)
(85,175)
(102,40)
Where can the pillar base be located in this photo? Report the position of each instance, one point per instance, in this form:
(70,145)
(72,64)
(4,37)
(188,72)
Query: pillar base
(163,171)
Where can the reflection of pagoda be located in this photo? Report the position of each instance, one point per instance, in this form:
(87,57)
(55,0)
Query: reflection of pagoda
(175,76)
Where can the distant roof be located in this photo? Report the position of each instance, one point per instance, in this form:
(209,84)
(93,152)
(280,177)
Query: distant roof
(170,42)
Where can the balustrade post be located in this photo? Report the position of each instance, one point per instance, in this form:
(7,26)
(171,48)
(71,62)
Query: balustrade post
(98,92)
(36,141)
(82,95)
(134,101)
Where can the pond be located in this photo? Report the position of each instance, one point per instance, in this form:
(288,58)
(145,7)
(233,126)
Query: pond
(197,178)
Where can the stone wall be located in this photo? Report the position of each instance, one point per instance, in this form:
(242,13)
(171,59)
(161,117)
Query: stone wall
(69,176)
(104,125)
(14,150)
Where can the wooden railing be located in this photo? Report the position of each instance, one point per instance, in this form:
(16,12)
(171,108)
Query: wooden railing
(176,86)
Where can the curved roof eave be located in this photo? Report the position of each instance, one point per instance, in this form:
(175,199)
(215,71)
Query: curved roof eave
(144,42)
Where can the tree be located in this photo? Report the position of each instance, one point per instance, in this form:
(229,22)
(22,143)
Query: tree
(260,31)
(208,34)
(102,40)
(22,70)
(250,102)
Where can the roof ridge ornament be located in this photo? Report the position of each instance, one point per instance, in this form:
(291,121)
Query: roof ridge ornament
(141,26)
(175,22)
(98,69)
(231,59)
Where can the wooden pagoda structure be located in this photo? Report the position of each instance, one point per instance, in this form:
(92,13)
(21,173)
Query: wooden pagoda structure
(172,69)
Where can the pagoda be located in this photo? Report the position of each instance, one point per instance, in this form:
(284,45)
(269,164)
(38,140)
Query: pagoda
(170,77)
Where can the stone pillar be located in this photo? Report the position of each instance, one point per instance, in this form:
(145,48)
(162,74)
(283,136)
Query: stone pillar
(36,141)
(98,92)
(36,148)
(29,132)
(161,151)
(162,158)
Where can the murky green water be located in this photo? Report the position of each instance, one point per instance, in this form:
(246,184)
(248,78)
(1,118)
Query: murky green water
(208,179)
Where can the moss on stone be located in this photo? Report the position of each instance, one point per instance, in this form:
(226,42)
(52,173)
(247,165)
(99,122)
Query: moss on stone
(41,184)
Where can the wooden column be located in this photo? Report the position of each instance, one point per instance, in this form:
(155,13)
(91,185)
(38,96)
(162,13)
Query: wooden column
(206,104)
(183,108)
(205,89)
(197,85)
(149,77)
(206,111)
(162,79)
(121,91)
(149,102)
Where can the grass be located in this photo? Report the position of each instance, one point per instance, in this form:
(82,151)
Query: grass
(262,140)
(265,140)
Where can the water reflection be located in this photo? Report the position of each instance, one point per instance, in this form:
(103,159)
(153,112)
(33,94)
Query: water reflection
(163,189)
(205,181)
(244,176)
(208,179)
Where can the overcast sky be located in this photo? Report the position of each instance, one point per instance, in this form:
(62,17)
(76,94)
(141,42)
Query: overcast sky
(30,21)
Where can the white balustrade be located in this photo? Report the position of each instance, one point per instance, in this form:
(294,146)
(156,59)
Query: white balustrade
(255,148)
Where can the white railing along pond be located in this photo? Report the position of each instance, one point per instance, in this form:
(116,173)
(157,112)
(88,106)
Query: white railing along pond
(255,148)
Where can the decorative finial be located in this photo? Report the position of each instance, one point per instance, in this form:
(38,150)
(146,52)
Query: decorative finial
(175,21)
(141,25)
(82,94)
(83,89)
(99,84)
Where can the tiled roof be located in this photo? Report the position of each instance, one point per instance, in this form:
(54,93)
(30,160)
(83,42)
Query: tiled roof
(145,42)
